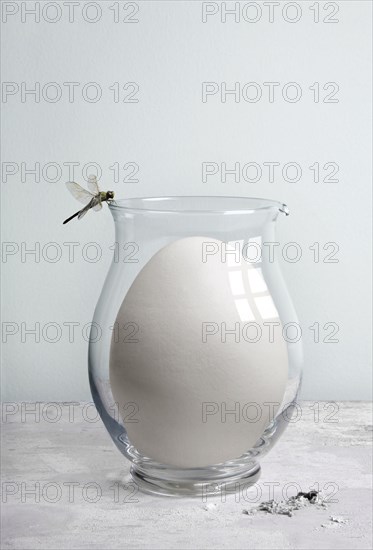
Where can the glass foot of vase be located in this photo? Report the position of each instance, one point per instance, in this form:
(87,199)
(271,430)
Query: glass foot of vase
(192,484)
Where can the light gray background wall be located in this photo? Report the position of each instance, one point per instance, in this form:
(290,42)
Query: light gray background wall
(169,133)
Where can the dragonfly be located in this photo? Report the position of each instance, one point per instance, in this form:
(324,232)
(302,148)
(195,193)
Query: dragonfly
(91,199)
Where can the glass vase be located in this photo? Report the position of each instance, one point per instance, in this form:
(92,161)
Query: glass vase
(198,363)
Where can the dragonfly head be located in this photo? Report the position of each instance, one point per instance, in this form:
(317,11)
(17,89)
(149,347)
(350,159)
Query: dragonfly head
(109,195)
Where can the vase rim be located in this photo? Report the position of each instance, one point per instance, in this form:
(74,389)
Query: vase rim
(197,204)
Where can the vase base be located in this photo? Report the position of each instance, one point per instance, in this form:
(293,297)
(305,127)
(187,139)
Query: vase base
(189,487)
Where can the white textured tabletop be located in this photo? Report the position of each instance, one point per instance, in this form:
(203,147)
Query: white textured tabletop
(65,485)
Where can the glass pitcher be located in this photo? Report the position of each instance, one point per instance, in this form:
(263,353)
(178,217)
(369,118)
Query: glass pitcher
(197,369)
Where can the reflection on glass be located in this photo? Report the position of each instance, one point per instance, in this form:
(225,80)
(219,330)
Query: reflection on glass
(244,310)
(236,283)
(256,280)
(266,307)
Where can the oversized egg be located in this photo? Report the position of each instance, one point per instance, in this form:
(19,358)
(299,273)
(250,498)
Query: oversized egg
(203,369)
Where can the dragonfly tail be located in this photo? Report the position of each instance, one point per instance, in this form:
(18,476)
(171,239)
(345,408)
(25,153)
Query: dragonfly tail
(72,217)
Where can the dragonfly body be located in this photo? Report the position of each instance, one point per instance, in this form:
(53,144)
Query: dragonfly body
(92,199)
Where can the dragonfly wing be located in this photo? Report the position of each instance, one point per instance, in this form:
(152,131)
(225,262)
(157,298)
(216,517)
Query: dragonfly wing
(84,210)
(82,195)
(82,213)
(96,203)
(92,185)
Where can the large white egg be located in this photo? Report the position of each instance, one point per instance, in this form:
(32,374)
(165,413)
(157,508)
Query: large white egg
(184,382)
